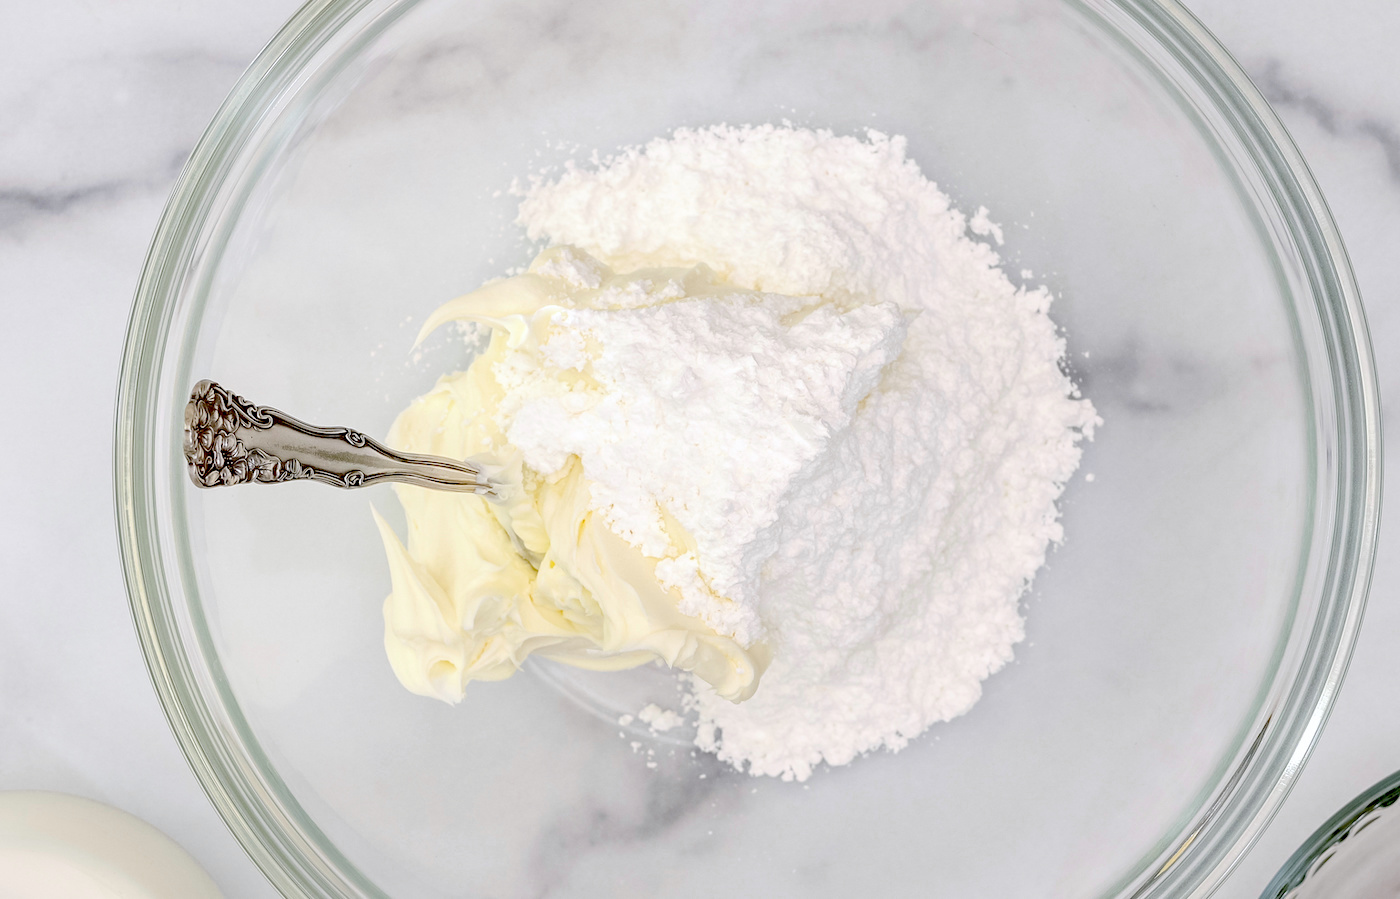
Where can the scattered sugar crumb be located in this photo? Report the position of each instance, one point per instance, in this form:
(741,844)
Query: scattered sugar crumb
(659,719)
(982,225)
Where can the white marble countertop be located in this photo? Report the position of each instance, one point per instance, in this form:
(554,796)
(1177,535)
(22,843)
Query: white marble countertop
(101,103)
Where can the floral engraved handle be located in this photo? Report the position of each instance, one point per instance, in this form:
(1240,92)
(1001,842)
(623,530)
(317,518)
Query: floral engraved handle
(229,440)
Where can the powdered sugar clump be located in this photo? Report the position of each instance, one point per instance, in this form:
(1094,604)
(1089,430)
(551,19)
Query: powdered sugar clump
(659,719)
(899,552)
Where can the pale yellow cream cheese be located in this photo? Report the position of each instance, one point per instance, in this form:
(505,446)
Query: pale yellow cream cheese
(484,583)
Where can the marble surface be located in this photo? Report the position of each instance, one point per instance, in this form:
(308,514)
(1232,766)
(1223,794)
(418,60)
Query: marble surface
(102,103)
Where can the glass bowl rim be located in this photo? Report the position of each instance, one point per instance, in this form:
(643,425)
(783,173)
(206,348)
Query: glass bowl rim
(1383,794)
(1196,862)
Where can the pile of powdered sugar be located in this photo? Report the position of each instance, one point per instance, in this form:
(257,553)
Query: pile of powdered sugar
(891,572)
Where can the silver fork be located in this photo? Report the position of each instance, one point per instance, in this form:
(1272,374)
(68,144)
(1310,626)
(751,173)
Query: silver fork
(229,440)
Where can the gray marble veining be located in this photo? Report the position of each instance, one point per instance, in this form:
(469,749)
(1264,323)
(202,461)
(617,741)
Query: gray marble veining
(1283,93)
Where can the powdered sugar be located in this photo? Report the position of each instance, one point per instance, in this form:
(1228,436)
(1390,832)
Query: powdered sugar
(886,580)
(659,719)
(704,409)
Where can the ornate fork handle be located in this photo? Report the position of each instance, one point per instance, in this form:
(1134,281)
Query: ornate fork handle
(228,440)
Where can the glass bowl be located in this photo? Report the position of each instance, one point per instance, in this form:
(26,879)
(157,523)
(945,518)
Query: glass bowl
(1184,645)
(1355,855)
